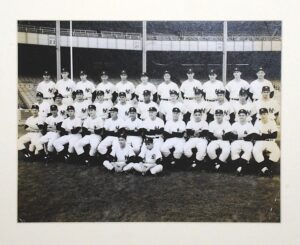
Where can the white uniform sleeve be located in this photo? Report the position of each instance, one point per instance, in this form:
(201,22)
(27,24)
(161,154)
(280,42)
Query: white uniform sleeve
(143,153)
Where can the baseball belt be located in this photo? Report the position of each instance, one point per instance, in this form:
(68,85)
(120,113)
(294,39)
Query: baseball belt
(47,98)
(165,99)
(233,99)
(189,98)
(211,100)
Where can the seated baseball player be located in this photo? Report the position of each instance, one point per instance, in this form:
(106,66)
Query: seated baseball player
(102,106)
(81,105)
(44,107)
(245,104)
(153,127)
(149,160)
(70,134)
(133,130)
(33,126)
(143,86)
(121,155)
(112,127)
(143,107)
(219,135)
(174,138)
(265,143)
(62,108)
(92,129)
(197,130)
(243,135)
(52,127)
(123,106)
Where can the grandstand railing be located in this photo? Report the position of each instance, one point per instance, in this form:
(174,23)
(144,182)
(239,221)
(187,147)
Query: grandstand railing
(195,36)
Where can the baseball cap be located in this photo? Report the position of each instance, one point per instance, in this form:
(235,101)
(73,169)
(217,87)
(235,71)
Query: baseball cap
(243,92)
(39,94)
(122,94)
(197,110)
(146,92)
(218,111)
(82,72)
(114,109)
(46,73)
(263,110)
(70,108)
(176,110)
(212,72)
(265,89)
(132,109)
(123,135)
(190,71)
(260,69)
(148,140)
(123,72)
(58,96)
(220,91)
(144,74)
(152,109)
(103,73)
(79,91)
(173,92)
(92,107)
(64,70)
(242,111)
(100,92)
(167,72)
(236,69)
(198,91)
(53,108)
(35,107)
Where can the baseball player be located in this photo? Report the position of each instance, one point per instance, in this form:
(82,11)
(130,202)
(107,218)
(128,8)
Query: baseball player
(120,156)
(102,106)
(153,127)
(166,110)
(47,87)
(145,85)
(222,104)
(197,130)
(81,105)
(123,106)
(267,130)
(245,104)
(188,88)
(266,102)
(44,107)
(65,87)
(125,86)
(243,131)
(256,86)
(33,127)
(62,108)
(86,86)
(163,90)
(173,133)
(149,160)
(198,103)
(219,134)
(210,87)
(92,129)
(52,127)
(234,86)
(132,126)
(70,131)
(143,107)
(107,87)
(112,127)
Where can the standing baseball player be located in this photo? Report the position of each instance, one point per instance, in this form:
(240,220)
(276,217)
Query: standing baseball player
(267,130)
(62,108)
(81,105)
(256,86)
(123,106)
(52,127)
(92,130)
(234,86)
(245,104)
(188,88)
(143,86)
(47,88)
(143,107)
(44,107)
(163,90)
(70,134)
(120,156)
(222,104)
(107,87)
(86,86)
(33,127)
(210,87)
(243,134)
(133,130)
(174,138)
(65,87)
(125,86)
(102,106)
(198,103)
(197,131)
(219,135)
(112,127)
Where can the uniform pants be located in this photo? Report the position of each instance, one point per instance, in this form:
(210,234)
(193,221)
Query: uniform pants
(135,142)
(118,166)
(177,143)
(70,138)
(261,146)
(216,144)
(104,144)
(33,138)
(241,145)
(144,167)
(49,138)
(200,144)
(93,140)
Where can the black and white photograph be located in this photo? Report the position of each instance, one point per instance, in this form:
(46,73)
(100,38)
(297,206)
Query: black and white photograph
(149,121)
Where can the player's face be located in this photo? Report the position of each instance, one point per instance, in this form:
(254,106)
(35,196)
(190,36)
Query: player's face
(71,113)
(92,112)
(146,98)
(264,116)
(122,99)
(167,77)
(197,116)
(144,79)
(221,97)
(114,114)
(243,98)
(242,117)
(152,114)
(237,75)
(54,112)
(173,97)
(104,78)
(260,74)
(132,115)
(212,77)
(58,100)
(83,77)
(46,77)
(175,116)
(219,117)
(35,112)
(123,77)
(122,142)
(266,95)
(65,75)
(39,99)
(198,97)
(79,96)
(149,146)
(190,75)
(100,97)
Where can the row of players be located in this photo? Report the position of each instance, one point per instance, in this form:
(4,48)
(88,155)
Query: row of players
(208,109)
(174,139)
(66,87)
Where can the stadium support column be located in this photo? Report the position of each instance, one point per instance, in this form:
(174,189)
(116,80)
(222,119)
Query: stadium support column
(224,72)
(58,58)
(71,50)
(144,46)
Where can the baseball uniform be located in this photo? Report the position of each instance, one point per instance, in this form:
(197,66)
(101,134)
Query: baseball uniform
(163,91)
(108,88)
(248,106)
(168,106)
(210,88)
(126,87)
(103,108)
(87,87)
(81,108)
(47,88)
(66,88)
(202,105)
(123,110)
(188,88)
(234,86)
(145,86)
(142,109)
(271,104)
(44,109)
(133,135)
(225,107)
(153,129)
(256,88)
(62,110)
